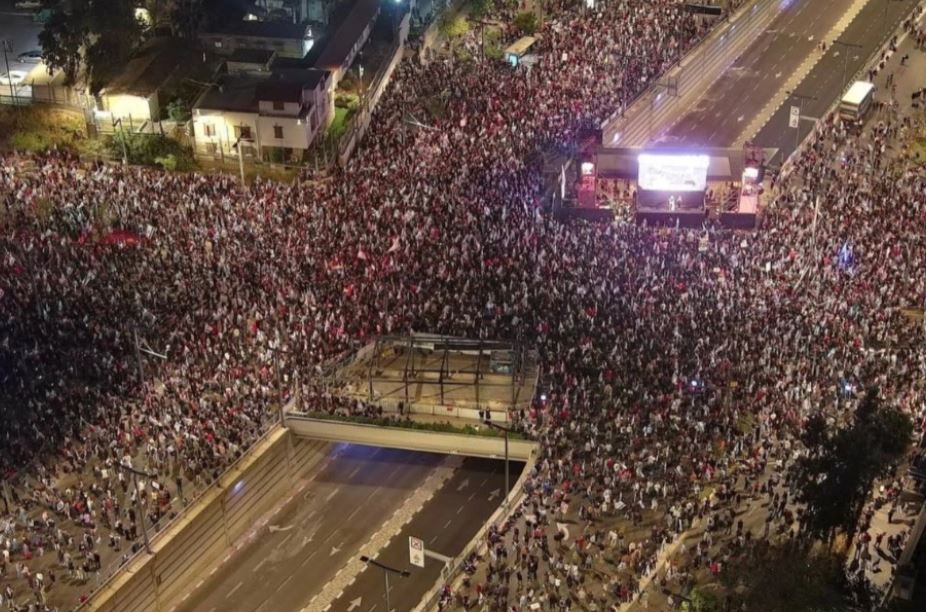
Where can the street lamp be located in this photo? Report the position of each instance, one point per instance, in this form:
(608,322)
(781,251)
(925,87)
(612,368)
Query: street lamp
(8,48)
(386,570)
(507,431)
(845,64)
(800,114)
(141,515)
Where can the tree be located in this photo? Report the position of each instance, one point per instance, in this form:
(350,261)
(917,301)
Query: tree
(453,26)
(479,9)
(701,600)
(774,578)
(98,35)
(836,478)
(526,22)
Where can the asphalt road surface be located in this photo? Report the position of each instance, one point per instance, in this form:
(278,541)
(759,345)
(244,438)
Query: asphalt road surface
(16,26)
(870,29)
(745,88)
(446,524)
(317,533)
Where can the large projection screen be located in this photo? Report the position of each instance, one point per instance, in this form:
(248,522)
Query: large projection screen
(672,172)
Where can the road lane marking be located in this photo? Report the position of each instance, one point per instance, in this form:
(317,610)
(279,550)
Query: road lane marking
(332,494)
(283,584)
(354,513)
(237,586)
(447,524)
(261,564)
(353,472)
(307,559)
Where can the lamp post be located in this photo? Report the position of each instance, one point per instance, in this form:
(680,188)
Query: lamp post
(386,571)
(800,114)
(506,431)
(845,64)
(8,48)
(141,515)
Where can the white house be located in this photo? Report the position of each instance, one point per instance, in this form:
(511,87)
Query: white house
(276,117)
(286,39)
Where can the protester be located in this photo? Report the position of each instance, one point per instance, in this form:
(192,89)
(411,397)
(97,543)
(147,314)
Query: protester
(670,369)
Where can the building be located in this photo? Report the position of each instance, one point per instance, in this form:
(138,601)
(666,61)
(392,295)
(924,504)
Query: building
(286,39)
(347,39)
(274,117)
(133,95)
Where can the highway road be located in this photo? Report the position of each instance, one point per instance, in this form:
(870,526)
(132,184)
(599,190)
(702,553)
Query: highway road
(734,99)
(446,524)
(870,29)
(317,533)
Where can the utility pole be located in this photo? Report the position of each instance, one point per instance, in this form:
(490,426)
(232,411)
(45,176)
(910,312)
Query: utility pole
(138,507)
(800,114)
(8,48)
(506,431)
(386,571)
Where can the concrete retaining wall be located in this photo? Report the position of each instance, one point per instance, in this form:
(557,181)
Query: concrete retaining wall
(209,530)
(408,439)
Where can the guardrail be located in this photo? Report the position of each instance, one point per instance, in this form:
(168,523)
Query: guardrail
(693,73)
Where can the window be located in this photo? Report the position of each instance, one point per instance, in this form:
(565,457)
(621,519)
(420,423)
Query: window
(208,130)
(242,131)
(278,131)
(277,105)
(218,44)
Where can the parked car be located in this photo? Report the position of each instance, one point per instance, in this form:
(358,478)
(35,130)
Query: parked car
(28,5)
(33,56)
(15,77)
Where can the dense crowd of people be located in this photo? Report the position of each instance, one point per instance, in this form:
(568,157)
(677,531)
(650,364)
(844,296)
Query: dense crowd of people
(156,320)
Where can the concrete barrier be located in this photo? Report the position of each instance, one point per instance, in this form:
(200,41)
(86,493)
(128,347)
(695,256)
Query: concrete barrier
(490,447)
(212,528)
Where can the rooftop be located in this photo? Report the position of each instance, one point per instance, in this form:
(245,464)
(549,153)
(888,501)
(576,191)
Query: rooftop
(344,36)
(149,68)
(251,56)
(241,93)
(264,29)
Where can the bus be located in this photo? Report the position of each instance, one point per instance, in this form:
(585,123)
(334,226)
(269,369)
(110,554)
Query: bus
(518,49)
(855,104)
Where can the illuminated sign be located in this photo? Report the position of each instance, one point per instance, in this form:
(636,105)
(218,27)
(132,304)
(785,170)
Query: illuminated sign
(672,172)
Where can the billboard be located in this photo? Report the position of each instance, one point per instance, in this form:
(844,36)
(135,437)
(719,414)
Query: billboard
(672,172)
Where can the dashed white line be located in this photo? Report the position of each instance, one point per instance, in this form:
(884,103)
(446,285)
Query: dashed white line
(237,586)
(283,584)
(447,524)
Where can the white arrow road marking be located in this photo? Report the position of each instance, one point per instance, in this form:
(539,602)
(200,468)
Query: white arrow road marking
(354,604)
(334,550)
(463,484)
(498,492)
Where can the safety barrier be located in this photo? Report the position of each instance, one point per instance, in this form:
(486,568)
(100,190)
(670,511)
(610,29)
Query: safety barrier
(478,543)
(210,529)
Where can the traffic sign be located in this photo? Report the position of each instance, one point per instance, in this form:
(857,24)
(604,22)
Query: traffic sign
(416,551)
(795,118)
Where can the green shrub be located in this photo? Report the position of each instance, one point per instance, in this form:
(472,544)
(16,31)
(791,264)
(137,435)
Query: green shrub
(526,22)
(152,150)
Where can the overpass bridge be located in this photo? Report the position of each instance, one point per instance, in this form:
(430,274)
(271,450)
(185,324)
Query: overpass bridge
(415,438)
